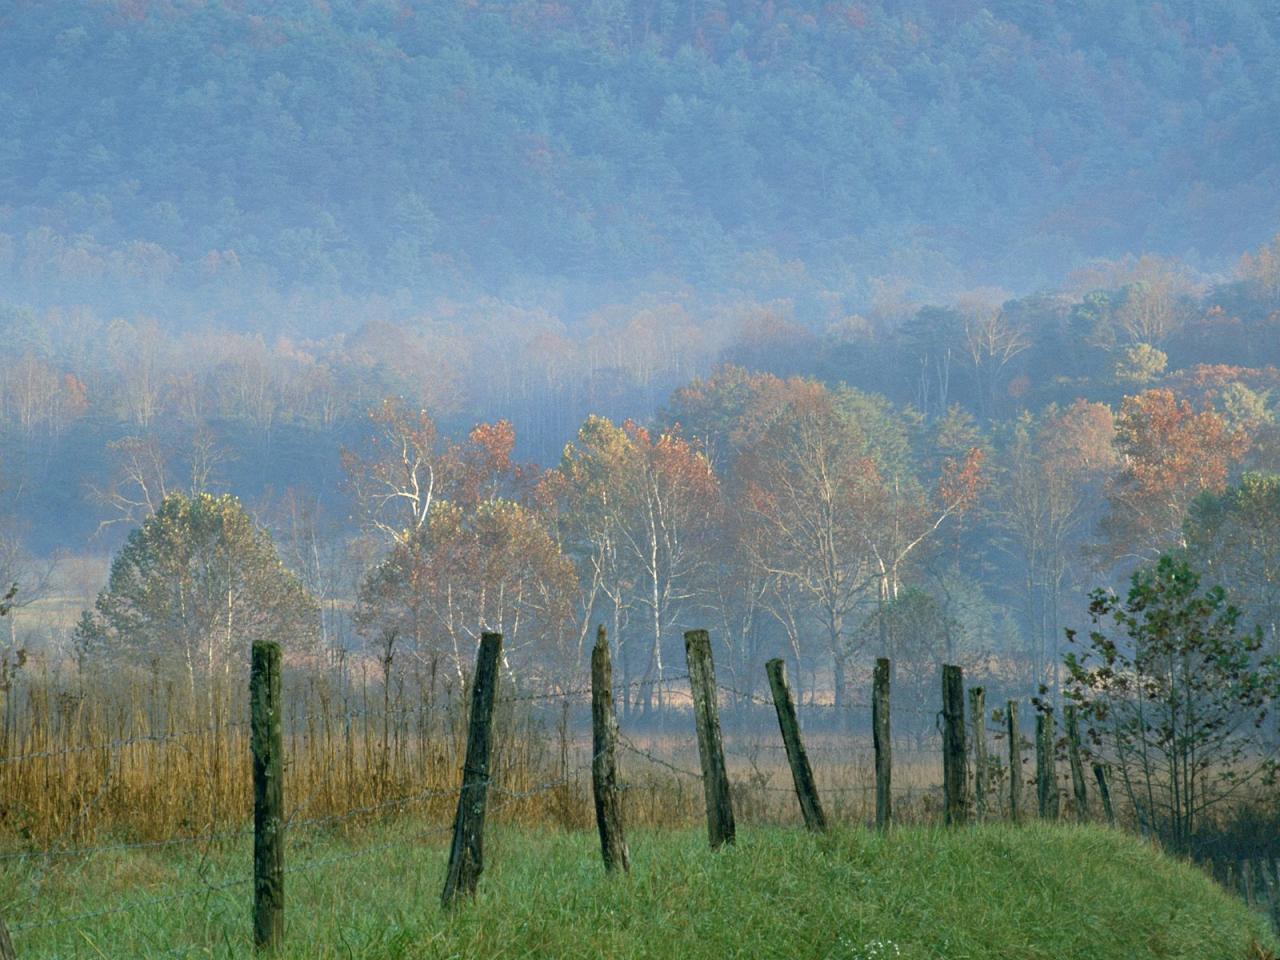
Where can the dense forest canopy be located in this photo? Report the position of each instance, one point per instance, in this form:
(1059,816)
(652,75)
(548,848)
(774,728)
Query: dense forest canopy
(224,157)
(537,315)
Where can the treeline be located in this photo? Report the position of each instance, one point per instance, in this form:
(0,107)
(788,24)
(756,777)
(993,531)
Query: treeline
(922,475)
(794,514)
(236,161)
(819,523)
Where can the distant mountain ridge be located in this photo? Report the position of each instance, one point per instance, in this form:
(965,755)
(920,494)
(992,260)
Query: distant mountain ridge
(419,149)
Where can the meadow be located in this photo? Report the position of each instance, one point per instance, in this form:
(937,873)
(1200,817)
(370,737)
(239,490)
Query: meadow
(993,891)
(126,831)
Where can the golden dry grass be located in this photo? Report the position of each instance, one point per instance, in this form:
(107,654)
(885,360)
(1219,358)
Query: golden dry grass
(85,762)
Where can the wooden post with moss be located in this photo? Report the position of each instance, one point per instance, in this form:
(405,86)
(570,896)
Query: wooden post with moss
(1046,774)
(6,945)
(880,733)
(1104,792)
(267,742)
(955,807)
(1269,878)
(801,772)
(604,764)
(1077,767)
(978,724)
(466,854)
(706,713)
(1247,884)
(1015,761)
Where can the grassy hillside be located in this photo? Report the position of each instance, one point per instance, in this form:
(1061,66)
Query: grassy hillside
(993,892)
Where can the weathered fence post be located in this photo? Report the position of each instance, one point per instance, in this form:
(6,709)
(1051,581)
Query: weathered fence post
(801,772)
(6,945)
(883,746)
(1273,900)
(1104,792)
(604,764)
(1015,761)
(978,723)
(706,713)
(267,743)
(953,750)
(466,855)
(1046,774)
(1077,768)
(1247,881)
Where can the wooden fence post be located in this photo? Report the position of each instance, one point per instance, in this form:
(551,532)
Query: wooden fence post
(883,745)
(801,773)
(1104,792)
(1046,774)
(706,713)
(953,749)
(604,764)
(6,945)
(1273,900)
(978,723)
(1077,768)
(1246,882)
(466,855)
(1015,761)
(268,796)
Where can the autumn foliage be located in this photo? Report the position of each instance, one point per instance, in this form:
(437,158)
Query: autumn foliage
(1170,452)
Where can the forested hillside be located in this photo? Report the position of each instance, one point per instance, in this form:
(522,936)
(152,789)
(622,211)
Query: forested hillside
(1009,272)
(228,159)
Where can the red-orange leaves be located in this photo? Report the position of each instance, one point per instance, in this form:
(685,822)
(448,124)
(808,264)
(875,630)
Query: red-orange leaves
(1170,452)
(961,481)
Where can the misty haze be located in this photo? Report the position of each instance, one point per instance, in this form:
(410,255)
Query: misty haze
(684,478)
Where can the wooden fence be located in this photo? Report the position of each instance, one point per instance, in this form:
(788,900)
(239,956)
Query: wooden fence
(965,751)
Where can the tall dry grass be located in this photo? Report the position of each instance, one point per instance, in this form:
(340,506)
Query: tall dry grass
(87,759)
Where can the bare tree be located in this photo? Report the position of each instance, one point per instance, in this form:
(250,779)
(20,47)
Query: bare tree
(404,469)
(991,342)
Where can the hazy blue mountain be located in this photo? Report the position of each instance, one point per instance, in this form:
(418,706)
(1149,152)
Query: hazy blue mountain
(218,151)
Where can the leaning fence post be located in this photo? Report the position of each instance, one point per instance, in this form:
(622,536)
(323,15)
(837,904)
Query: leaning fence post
(801,773)
(883,745)
(1104,792)
(978,723)
(6,945)
(1046,775)
(1015,761)
(604,764)
(466,855)
(268,796)
(1246,882)
(715,782)
(953,751)
(1273,903)
(1077,768)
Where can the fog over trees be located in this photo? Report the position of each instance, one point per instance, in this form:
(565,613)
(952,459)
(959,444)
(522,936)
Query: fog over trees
(840,329)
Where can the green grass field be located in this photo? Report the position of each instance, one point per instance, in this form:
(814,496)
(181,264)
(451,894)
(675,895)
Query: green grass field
(1058,893)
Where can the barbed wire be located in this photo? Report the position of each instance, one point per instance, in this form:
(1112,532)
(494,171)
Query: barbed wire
(404,801)
(193,891)
(508,797)
(105,746)
(294,724)
(631,747)
(71,853)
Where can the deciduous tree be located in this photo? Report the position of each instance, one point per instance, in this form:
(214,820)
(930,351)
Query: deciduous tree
(194,586)
(1170,452)
(1175,696)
